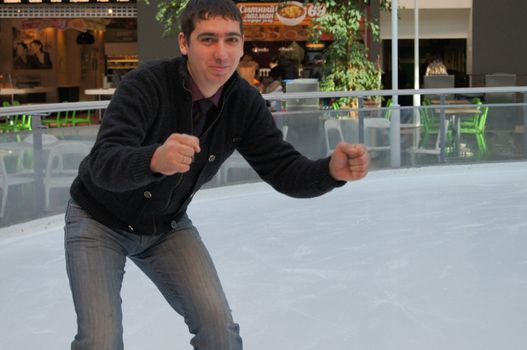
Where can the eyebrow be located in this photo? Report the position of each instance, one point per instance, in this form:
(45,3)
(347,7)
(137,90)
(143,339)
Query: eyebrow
(230,34)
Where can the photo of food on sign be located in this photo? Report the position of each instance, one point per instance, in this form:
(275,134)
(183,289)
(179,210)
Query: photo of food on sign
(291,13)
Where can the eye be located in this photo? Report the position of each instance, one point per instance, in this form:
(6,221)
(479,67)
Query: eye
(233,40)
(207,40)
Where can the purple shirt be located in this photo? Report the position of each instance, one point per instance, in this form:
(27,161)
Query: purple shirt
(198,95)
(200,123)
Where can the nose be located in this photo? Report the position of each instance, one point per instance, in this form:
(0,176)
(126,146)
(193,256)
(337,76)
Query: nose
(220,52)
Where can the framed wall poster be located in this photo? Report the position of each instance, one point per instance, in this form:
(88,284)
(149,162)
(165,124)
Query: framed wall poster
(31,49)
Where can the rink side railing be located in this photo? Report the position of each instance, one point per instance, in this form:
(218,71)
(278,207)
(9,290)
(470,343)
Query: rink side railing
(395,109)
(303,126)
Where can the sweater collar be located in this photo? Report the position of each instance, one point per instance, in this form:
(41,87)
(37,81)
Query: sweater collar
(198,95)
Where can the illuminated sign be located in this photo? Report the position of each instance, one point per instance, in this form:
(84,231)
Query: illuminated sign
(289,13)
(315,45)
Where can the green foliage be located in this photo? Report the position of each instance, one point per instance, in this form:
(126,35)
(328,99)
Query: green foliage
(347,62)
(168,12)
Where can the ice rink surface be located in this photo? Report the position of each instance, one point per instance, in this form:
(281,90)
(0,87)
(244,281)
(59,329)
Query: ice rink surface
(432,258)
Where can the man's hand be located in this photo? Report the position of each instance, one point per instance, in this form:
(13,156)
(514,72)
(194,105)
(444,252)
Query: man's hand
(349,162)
(175,155)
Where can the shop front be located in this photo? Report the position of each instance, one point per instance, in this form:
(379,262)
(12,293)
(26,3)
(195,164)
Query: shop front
(278,33)
(58,50)
(61,50)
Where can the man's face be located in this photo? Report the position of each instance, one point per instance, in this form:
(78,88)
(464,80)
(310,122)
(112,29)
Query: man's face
(214,51)
(20,51)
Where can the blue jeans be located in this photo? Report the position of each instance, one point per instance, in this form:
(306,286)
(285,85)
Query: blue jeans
(177,262)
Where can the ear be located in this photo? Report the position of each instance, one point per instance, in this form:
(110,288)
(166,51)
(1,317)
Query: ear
(243,45)
(183,44)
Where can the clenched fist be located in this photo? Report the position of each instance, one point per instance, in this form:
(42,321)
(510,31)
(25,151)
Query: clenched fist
(175,155)
(349,162)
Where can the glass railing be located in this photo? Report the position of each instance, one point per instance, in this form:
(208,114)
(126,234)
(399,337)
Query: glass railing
(39,162)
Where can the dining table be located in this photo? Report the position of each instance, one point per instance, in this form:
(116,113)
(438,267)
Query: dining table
(106,92)
(456,114)
(451,102)
(15,93)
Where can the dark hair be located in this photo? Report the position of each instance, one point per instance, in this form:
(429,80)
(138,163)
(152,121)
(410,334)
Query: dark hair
(198,10)
(21,43)
(39,43)
(276,73)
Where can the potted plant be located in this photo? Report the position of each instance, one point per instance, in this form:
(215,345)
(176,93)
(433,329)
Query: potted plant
(348,65)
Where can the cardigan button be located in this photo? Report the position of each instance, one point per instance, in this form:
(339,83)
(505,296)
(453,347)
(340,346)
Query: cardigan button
(147,194)
(130,228)
(173,223)
(212,158)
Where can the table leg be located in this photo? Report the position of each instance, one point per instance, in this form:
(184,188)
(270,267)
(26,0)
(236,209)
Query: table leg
(458,135)
(442,136)
(99,113)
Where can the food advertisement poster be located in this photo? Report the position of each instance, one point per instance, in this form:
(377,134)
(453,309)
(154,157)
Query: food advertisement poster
(282,21)
(288,13)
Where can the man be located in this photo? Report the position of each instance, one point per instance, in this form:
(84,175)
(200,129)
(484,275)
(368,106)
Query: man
(39,58)
(317,70)
(167,130)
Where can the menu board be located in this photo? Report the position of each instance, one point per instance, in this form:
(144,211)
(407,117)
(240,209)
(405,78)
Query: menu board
(288,13)
(279,21)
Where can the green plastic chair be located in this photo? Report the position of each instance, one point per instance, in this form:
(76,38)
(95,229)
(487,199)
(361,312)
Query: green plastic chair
(21,121)
(8,124)
(57,120)
(471,121)
(61,119)
(68,118)
(388,111)
(16,122)
(77,119)
(431,126)
(475,125)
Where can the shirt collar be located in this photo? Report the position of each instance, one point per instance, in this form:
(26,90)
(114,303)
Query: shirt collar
(198,95)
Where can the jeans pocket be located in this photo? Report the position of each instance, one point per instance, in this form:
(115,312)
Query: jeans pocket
(74,212)
(79,225)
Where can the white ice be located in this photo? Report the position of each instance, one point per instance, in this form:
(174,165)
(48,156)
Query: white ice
(409,259)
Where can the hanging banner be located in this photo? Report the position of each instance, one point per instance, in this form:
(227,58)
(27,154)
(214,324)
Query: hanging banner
(79,24)
(288,13)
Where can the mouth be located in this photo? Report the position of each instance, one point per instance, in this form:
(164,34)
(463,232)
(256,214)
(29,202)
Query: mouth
(220,69)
